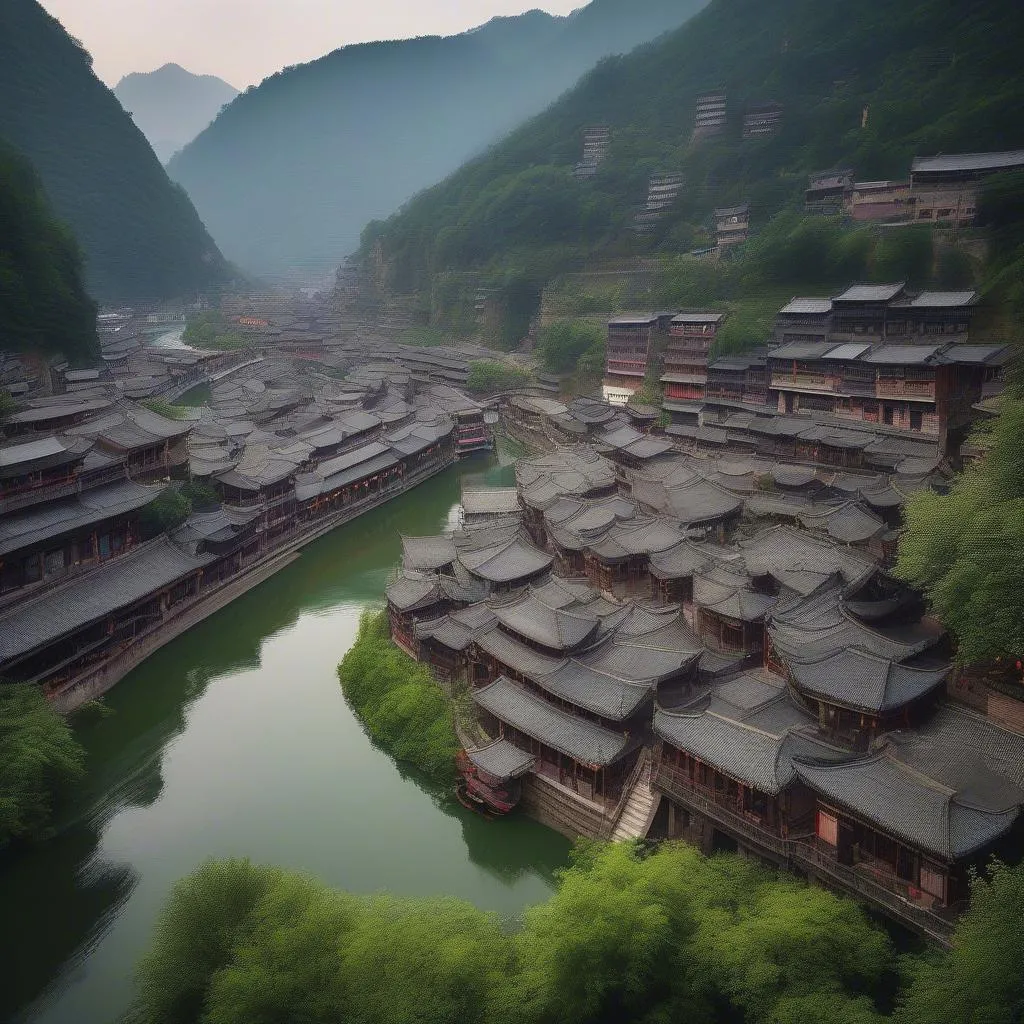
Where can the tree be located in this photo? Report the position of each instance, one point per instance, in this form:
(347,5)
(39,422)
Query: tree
(980,981)
(563,342)
(40,761)
(964,549)
(203,921)
(166,512)
(399,701)
(487,375)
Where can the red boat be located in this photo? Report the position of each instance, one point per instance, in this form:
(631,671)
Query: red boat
(491,777)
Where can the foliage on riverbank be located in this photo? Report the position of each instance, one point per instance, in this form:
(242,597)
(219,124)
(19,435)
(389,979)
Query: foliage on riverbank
(672,936)
(399,701)
(40,760)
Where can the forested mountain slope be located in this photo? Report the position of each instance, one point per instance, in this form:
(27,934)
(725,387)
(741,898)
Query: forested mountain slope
(43,303)
(289,173)
(139,233)
(866,86)
(172,105)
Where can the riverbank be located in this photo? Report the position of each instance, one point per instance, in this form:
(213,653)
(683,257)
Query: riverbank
(101,678)
(235,740)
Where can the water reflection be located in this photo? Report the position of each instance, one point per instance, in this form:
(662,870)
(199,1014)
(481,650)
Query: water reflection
(235,740)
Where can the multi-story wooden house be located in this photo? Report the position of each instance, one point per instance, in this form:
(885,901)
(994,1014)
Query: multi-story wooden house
(945,188)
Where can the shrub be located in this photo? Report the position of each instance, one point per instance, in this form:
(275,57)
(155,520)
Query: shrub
(40,760)
(399,701)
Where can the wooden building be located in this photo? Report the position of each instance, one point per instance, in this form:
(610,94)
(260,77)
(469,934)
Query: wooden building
(944,188)
(732,225)
(710,116)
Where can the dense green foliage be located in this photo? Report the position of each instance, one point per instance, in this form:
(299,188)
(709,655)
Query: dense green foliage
(210,330)
(324,146)
(980,981)
(174,504)
(399,702)
(625,939)
(488,375)
(964,549)
(932,77)
(40,760)
(43,303)
(139,233)
(564,342)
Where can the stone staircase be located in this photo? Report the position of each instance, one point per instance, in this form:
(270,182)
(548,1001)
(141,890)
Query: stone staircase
(638,811)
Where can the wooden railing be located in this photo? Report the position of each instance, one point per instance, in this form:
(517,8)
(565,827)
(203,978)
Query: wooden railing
(895,387)
(612,819)
(802,851)
(808,381)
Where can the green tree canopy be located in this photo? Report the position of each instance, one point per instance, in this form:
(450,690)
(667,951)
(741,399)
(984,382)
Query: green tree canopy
(43,303)
(628,938)
(40,761)
(981,980)
(563,342)
(965,549)
(398,700)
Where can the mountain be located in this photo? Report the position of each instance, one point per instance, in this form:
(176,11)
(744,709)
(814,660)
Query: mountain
(867,87)
(141,237)
(43,303)
(287,175)
(171,105)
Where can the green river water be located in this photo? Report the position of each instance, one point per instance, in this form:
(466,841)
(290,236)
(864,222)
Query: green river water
(235,740)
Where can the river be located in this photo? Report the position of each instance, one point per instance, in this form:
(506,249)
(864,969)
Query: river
(235,740)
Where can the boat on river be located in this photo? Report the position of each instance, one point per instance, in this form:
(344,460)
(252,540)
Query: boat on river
(491,777)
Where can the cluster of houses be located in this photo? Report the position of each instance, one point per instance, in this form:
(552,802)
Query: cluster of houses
(92,579)
(709,646)
(873,361)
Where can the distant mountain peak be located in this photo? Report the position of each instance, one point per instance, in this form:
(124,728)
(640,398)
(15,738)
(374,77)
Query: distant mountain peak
(172,105)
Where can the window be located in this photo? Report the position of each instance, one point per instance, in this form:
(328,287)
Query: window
(828,828)
(105,546)
(925,215)
(54,562)
(944,212)
(33,568)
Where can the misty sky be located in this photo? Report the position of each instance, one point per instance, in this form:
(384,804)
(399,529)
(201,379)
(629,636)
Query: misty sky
(243,41)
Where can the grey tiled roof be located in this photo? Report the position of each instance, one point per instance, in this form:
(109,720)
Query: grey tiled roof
(22,530)
(502,760)
(578,738)
(514,559)
(413,590)
(555,628)
(911,807)
(969,161)
(115,585)
(871,292)
(849,523)
(515,655)
(728,593)
(856,679)
(803,562)
(428,552)
(816,627)
(491,501)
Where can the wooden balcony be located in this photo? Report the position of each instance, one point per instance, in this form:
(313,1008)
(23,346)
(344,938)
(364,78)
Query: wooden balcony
(819,383)
(799,850)
(910,390)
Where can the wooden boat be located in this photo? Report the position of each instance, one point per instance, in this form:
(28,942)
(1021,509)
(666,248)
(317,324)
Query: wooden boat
(491,777)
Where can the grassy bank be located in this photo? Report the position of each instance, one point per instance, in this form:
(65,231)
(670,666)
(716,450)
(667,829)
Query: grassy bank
(398,700)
